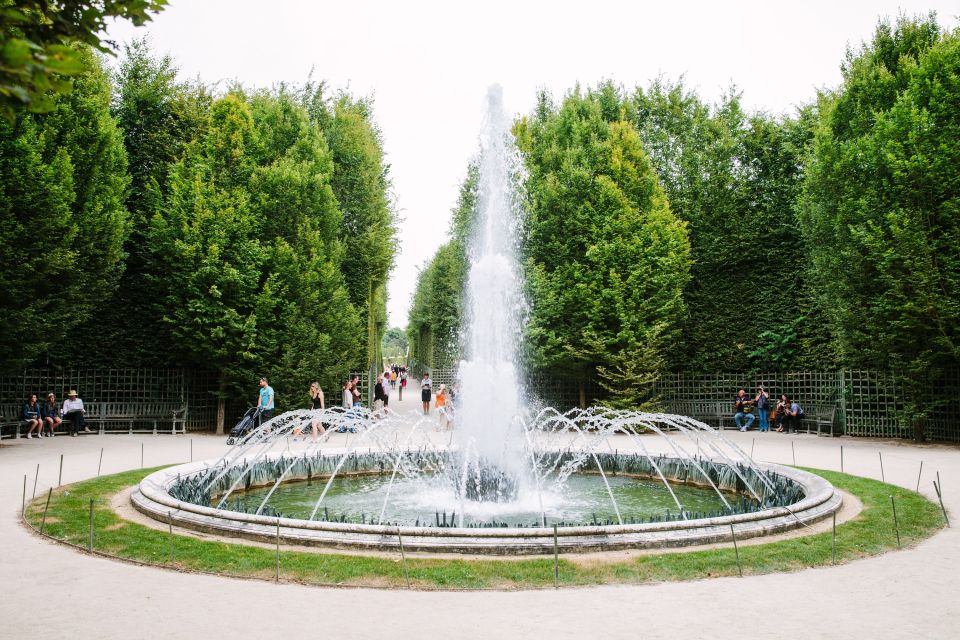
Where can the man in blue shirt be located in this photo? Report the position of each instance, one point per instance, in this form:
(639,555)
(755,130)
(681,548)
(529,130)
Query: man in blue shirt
(265,404)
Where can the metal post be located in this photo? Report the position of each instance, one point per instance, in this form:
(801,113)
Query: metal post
(896,526)
(556,559)
(90,541)
(752,444)
(841,458)
(918,476)
(100,464)
(883,477)
(60,477)
(834,537)
(191,449)
(43,521)
(37,475)
(23,504)
(170,526)
(141,455)
(403,558)
(936,488)
(278,549)
(794,452)
(736,549)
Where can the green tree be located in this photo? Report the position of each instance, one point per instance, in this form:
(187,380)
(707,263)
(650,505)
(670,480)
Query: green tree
(36,59)
(606,259)
(395,345)
(214,259)
(361,185)
(62,189)
(880,208)
(734,178)
(158,116)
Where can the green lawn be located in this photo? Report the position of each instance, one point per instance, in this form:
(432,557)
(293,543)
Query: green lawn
(870,533)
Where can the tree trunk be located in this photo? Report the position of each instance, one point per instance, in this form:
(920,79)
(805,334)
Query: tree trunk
(221,406)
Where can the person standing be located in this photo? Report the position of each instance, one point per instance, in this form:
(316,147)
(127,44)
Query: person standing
(355,391)
(386,393)
(403,384)
(762,402)
(266,401)
(743,408)
(426,390)
(50,413)
(73,412)
(378,397)
(31,416)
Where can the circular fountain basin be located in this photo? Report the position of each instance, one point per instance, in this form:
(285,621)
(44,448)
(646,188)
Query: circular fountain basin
(152,497)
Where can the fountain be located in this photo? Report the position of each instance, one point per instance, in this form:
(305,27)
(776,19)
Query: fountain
(509,480)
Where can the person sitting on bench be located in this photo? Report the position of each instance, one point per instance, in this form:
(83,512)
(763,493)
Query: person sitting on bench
(31,416)
(73,412)
(743,408)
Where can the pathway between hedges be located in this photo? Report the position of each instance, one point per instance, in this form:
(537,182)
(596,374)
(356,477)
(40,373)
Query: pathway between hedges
(51,591)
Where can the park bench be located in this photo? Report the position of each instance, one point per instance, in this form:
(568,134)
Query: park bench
(11,424)
(821,416)
(137,417)
(708,411)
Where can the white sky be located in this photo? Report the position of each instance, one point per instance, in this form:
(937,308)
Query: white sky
(428,64)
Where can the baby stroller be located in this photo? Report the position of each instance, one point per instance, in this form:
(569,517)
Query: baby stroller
(249,422)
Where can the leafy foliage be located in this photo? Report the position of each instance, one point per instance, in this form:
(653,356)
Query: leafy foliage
(36,59)
(606,258)
(881,202)
(63,182)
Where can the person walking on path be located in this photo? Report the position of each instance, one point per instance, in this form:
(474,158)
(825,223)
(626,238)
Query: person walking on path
(403,384)
(266,400)
(73,411)
(743,408)
(426,390)
(762,402)
(31,416)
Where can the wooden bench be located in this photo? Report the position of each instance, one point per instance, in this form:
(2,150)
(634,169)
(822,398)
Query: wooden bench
(708,411)
(819,415)
(11,424)
(134,415)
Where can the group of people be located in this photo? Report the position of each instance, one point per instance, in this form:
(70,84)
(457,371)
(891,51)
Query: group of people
(443,400)
(786,415)
(393,377)
(45,418)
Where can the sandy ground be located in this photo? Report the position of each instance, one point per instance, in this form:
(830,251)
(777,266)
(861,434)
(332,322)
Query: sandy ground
(52,591)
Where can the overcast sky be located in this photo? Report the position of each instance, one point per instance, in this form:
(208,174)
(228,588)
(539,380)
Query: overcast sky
(428,64)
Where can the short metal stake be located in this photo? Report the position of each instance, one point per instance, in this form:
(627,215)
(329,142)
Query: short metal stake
(90,541)
(35,476)
(896,526)
(752,444)
(793,450)
(170,526)
(60,477)
(834,537)
(936,488)
(141,455)
(278,550)
(43,521)
(736,549)
(100,463)
(841,458)
(556,559)
(23,504)
(883,477)
(403,558)
(918,476)
(191,449)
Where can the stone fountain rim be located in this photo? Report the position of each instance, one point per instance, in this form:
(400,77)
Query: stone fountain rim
(152,497)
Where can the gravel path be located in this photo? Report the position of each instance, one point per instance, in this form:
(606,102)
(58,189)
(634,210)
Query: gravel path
(51,591)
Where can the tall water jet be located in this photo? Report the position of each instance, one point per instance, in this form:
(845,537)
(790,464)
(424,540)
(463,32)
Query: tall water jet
(491,394)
